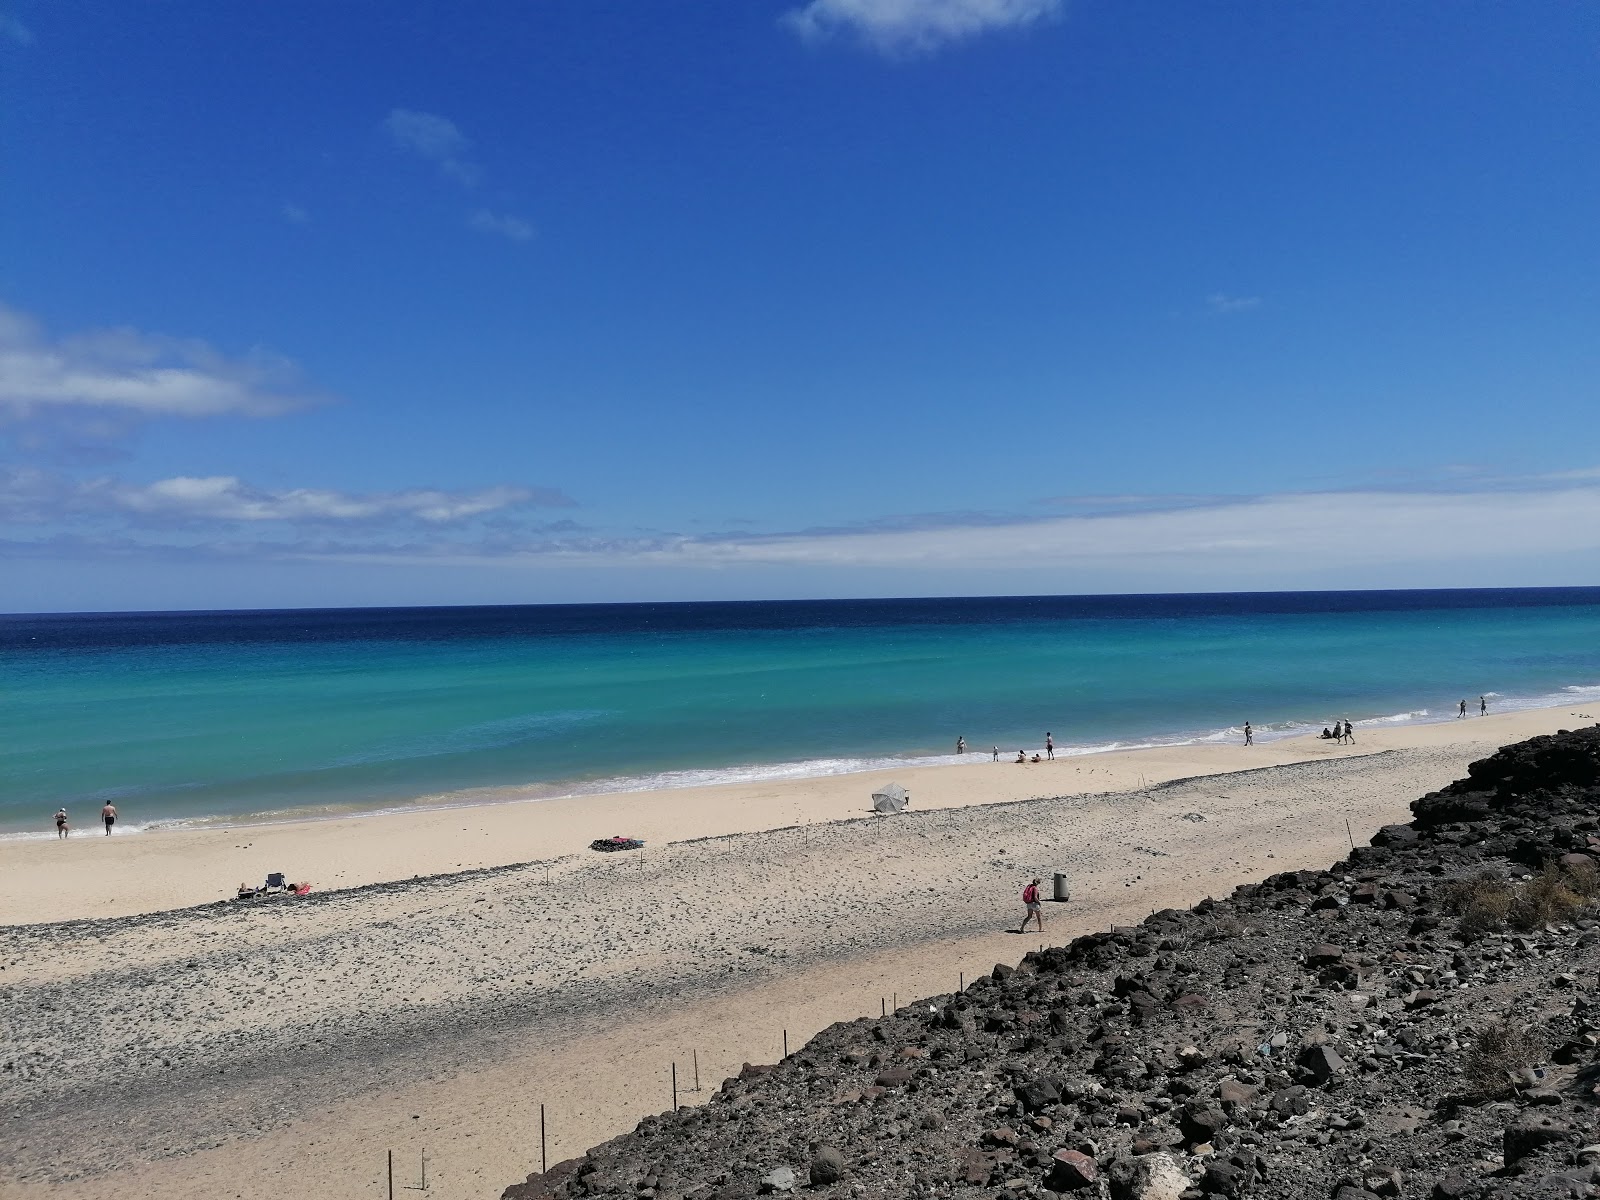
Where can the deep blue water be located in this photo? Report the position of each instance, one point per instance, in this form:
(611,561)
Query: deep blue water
(184,716)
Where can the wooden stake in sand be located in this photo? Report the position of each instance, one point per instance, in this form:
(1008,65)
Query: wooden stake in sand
(1348,834)
(786,1043)
(391,1175)
(696,1070)
(544,1159)
(674,1087)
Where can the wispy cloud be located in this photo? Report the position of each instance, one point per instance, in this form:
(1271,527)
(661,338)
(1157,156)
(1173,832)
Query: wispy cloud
(32,496)
(901,26)
(13,30)
(1333,538)
(128,374)
(1223,304)
(436,139)
(500,224)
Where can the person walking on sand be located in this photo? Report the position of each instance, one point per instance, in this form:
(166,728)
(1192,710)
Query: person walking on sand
(1462,711)
(1483,706)
(62,828)
(1030,898)
(1049,746)
(1249,735)
(1349,735)
(108,814)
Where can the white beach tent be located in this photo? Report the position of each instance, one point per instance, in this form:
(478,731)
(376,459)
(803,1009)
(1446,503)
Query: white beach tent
(891,798)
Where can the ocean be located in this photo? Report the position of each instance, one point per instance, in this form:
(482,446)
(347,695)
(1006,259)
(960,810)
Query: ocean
(224,717)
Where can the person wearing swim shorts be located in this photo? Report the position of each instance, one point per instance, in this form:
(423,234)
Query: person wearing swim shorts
(62,828)
(1030,897)
(108,814)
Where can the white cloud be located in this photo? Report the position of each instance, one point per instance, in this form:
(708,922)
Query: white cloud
(31,496)
(434,138)
(1265,541)
(14,30)
(125,373)
(1262,535)
(1221,302)
(500,224)
(896,26)
(226,498)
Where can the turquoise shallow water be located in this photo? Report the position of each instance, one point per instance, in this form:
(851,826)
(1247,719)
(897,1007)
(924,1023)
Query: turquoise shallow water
(234,716)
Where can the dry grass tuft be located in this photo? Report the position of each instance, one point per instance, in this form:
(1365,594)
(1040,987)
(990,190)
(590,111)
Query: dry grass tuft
(1497,1054)
(1545,899)
(1488,904)
(1483,903)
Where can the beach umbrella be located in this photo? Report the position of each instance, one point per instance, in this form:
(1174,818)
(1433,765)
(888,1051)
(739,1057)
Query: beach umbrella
(891,798)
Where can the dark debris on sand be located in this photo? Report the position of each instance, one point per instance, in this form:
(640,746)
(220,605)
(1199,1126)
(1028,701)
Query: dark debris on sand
(1419,1020)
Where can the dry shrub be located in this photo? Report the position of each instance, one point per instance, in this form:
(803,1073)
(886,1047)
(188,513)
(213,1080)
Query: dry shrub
(1545,899)
(1498,1052)
(1483,903)
(1584,879)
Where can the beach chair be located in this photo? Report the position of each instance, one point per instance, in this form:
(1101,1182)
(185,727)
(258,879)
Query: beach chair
(275,884)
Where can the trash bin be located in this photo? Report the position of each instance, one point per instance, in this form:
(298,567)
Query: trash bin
(1061,892)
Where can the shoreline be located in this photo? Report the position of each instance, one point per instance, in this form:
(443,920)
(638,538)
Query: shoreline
(90,876)
(757,774)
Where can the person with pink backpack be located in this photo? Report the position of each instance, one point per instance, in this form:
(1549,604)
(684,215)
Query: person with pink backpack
(1030,897)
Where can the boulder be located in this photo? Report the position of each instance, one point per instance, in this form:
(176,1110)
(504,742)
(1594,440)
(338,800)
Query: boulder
(1070,1171)
(1529,1133)
(1037,1094)
(780,1179)
(1225,1179)
(1322,1062)
(1394,835)
(1154,1176)
(1201,1122)
(827,1166)
(1232,1091)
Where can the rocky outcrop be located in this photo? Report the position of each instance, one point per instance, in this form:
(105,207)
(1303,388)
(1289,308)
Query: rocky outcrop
(1420,1020)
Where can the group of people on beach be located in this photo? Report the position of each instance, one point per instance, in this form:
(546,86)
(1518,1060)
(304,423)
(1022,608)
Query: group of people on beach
(1022,755)
(1483,708)
(108,816)
(1341,733)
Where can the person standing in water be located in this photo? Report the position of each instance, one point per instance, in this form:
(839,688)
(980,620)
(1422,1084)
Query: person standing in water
(1049,746)
(961,745)
(1249,735)
(1462,711)
(1030,898)
(62,828)
(997,754)
(108,814)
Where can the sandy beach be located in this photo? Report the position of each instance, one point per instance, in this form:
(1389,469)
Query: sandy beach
(456,969)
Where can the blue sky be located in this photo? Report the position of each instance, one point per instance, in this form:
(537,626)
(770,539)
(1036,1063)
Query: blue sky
(412,302)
